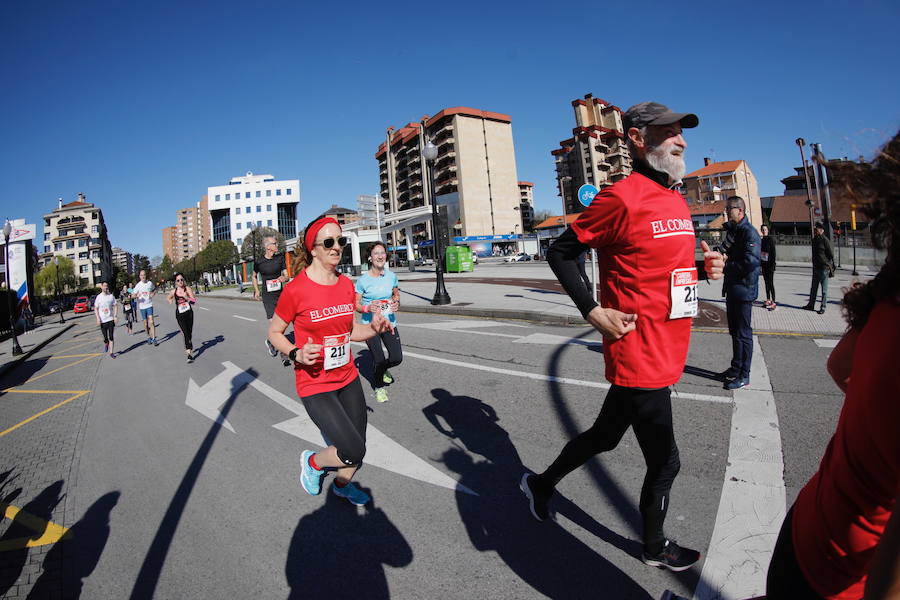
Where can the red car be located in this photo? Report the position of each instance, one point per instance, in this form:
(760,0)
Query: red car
(81,305)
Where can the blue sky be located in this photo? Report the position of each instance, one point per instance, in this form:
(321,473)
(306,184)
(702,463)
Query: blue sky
(142,105)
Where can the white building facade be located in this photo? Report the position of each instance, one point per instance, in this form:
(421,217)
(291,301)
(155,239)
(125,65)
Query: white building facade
(253,201)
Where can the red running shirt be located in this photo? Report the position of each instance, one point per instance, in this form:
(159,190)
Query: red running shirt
(842,511)
(323,313)
(643,232)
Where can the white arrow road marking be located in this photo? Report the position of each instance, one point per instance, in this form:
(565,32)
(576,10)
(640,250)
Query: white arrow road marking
(534,338)
(209,398)
(825,343)
(555,340)
(202,308)
(462,324)
(752,506)
(244,318)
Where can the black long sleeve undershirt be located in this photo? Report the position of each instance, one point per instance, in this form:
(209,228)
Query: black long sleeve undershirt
(563,256)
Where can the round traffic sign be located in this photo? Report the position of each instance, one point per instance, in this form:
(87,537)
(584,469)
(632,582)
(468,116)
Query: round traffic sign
(586,194)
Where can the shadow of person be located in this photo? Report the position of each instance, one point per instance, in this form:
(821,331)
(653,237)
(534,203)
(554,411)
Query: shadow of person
(365,364)
(72,559)
(22,373)
(543,555)
(207,345)
(22,528)
(339,551)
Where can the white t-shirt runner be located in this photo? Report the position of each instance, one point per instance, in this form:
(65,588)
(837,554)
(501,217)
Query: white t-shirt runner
(105,305)
(142,290)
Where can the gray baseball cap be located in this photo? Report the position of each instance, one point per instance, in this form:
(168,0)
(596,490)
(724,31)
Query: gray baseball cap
(654,113)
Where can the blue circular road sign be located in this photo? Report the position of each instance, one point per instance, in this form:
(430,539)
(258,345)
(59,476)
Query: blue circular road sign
(586,194)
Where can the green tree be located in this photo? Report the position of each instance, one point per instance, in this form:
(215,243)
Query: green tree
(46,281)
(166,269)
(218,255)
(253,242)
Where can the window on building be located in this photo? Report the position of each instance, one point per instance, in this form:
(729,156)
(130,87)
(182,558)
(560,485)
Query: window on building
(46,236)
(57,246)
(268,208)
(46,222)
(82,268)
(218,197)
(47,248)
(258,208)
(238,241)
(82,255)
(259,223)
(277,192)
(269,223)
(227,196)
(238,225)
(249,224)
(70,256)
(258,193)
(70,244)
(268,193)
(248,210)
(246,194)
(288,191)
(94,216)
(95,228)
(82,242)
(287,220)
(237,211)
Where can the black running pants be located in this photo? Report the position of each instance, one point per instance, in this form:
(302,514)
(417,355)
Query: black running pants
(649,412)
(341,417)
(769,278)
(108,329)
(186,324)
(785,580)
(395,354)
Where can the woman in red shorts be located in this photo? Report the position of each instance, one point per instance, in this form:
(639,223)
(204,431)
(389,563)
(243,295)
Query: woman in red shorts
(320,303)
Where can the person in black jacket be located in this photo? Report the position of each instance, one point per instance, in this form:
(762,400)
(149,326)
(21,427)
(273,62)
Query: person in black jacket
(741,288)
(823,268)
(767,256)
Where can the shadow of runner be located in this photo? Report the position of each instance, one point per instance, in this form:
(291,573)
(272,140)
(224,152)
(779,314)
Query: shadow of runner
(207,345)
(148,576)
(339,551)
(72,559)
(41,506)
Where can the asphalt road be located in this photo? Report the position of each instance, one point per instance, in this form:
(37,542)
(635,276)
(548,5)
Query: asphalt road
(209,512)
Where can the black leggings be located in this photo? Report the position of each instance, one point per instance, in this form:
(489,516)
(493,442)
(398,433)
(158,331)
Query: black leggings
(186,323)
(649,412)
(769,278)
(341,417)
(108,329)
(785,580)
(395,354)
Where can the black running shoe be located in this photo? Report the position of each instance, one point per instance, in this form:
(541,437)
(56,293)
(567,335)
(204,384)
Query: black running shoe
(728,374)
(273,352)
(672,557)
(537,499)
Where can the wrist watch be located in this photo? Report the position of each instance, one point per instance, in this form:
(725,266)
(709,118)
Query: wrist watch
(293,354)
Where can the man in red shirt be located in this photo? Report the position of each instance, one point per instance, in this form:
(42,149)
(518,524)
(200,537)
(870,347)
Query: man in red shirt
(645,236)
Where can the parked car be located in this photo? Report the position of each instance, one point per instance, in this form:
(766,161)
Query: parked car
(81,305)
(520,257)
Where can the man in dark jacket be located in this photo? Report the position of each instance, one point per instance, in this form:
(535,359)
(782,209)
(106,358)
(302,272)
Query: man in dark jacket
(741,288)
(823,267)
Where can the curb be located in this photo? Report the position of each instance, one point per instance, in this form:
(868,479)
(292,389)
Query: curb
(15,362)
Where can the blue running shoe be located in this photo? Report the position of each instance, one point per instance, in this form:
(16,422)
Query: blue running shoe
(352,493)
(310,478)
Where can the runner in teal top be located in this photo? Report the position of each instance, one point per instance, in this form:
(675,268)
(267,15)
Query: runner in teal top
(377,290)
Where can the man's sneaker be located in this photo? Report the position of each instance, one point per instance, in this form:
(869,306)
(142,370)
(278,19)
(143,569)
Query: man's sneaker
(387,378)
(190,358)
(728,374)
(273,352)
(310,478)
(672,557)
(821,311)
(738,383)
(381,395)
(537,499)
(155,342)
(352,493)
(105,346)
(809,307)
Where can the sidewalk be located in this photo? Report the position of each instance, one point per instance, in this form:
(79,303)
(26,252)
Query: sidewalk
(530,292)
(31,342)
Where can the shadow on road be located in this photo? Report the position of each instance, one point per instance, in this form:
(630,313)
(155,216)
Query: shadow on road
(339,551)
(705,373)
(41,506)
(72,559)
(148,577)
(207,345)
(22,373)
(543,555)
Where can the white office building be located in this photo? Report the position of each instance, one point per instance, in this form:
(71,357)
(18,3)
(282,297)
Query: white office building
(253,201)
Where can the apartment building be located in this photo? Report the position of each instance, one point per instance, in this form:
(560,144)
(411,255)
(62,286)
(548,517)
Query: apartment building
(253,201)
(526,205)
(123,260)
(191,232)
(716,181)
(77,231)
(169,242)
(474,174)
(596,153)
(344,216)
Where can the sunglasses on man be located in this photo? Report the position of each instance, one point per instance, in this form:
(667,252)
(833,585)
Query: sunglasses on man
(328,243)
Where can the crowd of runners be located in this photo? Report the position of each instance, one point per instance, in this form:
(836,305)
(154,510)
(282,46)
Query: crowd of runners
(840,540)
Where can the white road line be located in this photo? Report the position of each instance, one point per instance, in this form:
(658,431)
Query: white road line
(540,377)
(202,308)
(752,505)
(244,318)
(825,343)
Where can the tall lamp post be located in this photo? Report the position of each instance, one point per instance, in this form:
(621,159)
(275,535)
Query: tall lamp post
(7,230)
(58,287)
(441,296)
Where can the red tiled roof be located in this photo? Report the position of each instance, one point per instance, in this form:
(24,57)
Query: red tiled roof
(707,208)
(526,183)
(793,209)
(75,203)
(556,221)
(718,167)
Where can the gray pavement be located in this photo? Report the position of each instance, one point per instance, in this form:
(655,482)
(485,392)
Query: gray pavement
(165,503)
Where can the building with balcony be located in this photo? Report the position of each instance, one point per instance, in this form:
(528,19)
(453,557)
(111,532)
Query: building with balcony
(596,153)
(190,234)
(123,260)
(77,231)
(716,181)
(474,175)
(526,205)
(344,216)
(253,201)
(169,237)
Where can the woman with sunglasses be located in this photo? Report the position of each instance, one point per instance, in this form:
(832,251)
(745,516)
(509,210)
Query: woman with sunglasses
(183,297)
(378,291)
(321,303)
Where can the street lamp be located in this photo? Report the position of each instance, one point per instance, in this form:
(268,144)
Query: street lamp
(7,230)
(58,301)
(440,291)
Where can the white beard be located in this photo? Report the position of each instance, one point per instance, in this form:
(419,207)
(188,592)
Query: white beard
(664,160)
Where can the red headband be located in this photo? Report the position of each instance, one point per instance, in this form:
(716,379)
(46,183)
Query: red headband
(309,240)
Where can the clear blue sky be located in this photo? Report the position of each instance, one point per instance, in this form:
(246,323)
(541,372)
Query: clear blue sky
(142,105)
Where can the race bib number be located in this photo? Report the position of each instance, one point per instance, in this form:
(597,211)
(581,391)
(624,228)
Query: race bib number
(764,256)
(683,293)
(184,307)
(273,285)
(127,307)
(104,311)
(337,350)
